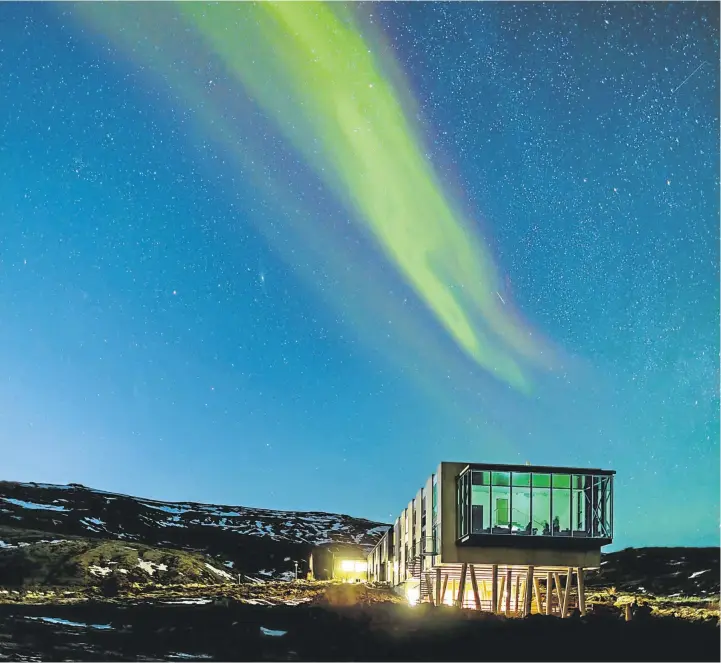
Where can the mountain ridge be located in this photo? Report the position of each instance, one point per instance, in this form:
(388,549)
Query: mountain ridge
(251,539)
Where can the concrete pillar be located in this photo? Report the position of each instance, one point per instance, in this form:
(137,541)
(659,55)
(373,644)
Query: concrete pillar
(537,593)
(567,592)
(581,590)
(527,595)
(499,605)
(509,580)
(438,586)
(429,584)
(474,584)
(462,586)
(549,593)
(494,588)
(559,591)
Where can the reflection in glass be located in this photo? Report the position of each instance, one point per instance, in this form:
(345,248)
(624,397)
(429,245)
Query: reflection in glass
(541,504)
(521,503)
(480,503)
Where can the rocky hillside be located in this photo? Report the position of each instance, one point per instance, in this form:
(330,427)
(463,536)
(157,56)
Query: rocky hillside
(660,571)
(252,542)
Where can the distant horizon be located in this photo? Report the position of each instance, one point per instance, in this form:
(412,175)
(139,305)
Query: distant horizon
(613,547)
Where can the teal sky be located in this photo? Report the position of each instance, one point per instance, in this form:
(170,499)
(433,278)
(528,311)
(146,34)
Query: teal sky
(204,295)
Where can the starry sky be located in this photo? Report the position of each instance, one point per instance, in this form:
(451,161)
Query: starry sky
(295,256)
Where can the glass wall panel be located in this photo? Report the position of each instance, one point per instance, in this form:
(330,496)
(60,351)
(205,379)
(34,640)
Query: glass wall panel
(501,478)
(561,480)
(480,505)
(463,500)
(578,505)
(501,509)
(521,503)
(561,505)
(481,478)
(605,507)
(541,504)
(541,480)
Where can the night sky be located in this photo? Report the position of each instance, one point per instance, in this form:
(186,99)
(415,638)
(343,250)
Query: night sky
(294,257)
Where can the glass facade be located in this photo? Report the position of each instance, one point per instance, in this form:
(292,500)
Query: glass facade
(529,503)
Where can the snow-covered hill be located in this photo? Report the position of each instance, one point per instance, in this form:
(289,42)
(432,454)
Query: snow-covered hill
(251,540)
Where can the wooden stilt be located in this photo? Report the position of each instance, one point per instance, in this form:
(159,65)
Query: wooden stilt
(537,592)
(581,590)
(429,582)
(527,595)
(518,595)
(474,585)
(499,604)
(549,593)
(522,608)
(462,586)
(559,590)
(438,586)
(567,593)
(509,580)
(494,588)
(443,590)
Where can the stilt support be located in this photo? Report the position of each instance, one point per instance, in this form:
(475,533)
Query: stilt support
(567,593)
(559,592)
(429,583)
(581,590)
(537,592)
(499,605)
(462,586)
(509,580)
(474,585)
(443,590)
(438,586)
(549,593)
(527,594)
(494,588)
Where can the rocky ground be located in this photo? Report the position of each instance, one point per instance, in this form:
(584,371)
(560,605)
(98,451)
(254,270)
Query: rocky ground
(329,629)
(88,575)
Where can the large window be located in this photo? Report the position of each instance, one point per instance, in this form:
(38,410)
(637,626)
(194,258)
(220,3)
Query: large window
(535,503)
(541,504)
(521,503)
(480,502)
(578,504)
(561,505)
(501,502)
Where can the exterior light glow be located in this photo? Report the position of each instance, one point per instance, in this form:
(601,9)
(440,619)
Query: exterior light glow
(413,594)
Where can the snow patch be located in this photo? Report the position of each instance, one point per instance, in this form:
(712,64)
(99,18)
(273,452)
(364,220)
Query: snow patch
(272,633)
(189,602)
(65,622)
(698,573)
(99,570)
(33,505)
(151,567)
(220,572)
(182,656)
(166,508)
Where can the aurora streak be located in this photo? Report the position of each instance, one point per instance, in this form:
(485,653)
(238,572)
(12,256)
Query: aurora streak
(309,68)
